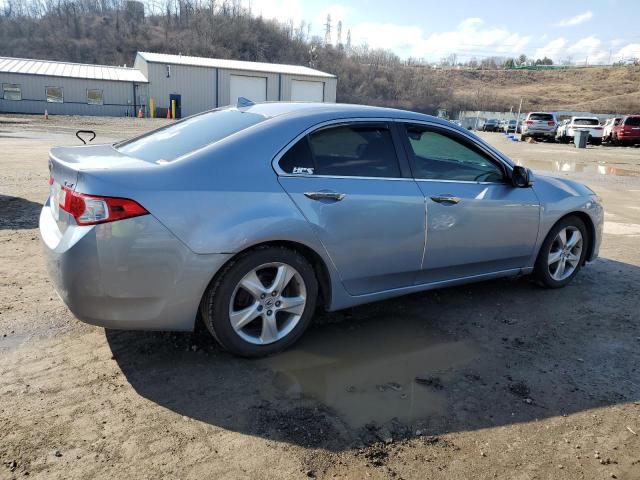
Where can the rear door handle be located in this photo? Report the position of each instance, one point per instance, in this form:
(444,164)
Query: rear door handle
(325,196)
(446,198)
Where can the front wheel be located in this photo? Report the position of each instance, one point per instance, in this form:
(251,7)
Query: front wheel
(262,302)
(562,253)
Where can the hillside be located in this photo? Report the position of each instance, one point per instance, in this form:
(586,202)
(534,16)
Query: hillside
(597,89)
(111,32)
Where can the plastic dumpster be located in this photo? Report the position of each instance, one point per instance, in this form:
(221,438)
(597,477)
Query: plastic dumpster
(580,138)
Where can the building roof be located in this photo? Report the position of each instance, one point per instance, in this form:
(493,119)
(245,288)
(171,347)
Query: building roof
(233,64)
(70,70)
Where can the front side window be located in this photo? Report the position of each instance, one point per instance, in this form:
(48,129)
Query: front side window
(94,97)
(54,94)
(437,156)
(11,91)
(354,151)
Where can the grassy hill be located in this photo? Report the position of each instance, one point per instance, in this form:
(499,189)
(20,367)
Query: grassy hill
(596,89)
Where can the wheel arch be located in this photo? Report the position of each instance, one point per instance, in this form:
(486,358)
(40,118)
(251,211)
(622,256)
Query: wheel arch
(588,223)
(317,262)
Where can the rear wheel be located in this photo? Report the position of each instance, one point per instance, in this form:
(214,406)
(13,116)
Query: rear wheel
(262,302)
(562,253)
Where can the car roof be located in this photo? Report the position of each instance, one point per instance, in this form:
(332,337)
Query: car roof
(337,110)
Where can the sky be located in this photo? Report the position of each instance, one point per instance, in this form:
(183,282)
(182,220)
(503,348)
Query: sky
(595,32)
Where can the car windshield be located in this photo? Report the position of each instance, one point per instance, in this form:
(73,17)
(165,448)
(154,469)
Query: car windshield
(184,136)
(547,117)
(585,121)
(634,121)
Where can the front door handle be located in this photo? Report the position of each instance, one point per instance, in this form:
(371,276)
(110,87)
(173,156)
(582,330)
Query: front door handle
(446,198)
(325,196)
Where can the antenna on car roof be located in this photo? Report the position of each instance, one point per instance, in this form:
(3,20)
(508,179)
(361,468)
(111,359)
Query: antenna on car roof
(244,102)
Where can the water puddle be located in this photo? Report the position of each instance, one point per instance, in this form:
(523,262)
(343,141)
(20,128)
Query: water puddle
(368,373)
(573,166)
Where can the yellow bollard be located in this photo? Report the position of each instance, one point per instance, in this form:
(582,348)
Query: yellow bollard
(173,109)
(152,112)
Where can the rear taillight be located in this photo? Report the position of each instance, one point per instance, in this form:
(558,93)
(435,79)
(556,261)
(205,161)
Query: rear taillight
(91,210)
(528,122)
(551,124)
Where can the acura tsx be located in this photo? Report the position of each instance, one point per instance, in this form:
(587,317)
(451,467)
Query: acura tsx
(249,218)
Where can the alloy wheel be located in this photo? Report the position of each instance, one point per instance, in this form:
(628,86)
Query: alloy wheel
(565,253)
(267,303)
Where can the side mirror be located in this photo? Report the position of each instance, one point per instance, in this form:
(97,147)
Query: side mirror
(521,177)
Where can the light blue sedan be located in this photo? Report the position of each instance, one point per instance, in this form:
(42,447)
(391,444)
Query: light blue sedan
(249,218)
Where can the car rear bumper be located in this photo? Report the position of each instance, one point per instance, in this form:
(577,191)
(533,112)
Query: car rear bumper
(129,274)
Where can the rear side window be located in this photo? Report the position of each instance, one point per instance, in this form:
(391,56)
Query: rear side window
(182,137)
(634,121)
(546,117)
(586,121)
(298,158)
(354,150)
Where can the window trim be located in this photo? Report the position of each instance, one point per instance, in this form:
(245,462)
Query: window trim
(46,95)
(463,138)
(389,123)
(12,85)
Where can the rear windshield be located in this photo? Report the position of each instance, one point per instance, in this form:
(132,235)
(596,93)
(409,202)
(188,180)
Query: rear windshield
(586,121)
(547,117)
(185,136)
(635,121)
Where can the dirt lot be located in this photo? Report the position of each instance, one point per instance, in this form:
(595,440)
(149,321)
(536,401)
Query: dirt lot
(514,382)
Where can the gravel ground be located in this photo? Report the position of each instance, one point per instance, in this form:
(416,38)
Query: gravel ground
(494,380)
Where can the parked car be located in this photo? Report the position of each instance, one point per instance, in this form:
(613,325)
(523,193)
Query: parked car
(539,125)
(627,131)
(566,130)
(249,218)
(607,128)
(511,126)
(490,125)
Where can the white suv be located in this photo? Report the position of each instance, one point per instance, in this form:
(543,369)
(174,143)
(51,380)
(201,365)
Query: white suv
(539,125)
(566,130)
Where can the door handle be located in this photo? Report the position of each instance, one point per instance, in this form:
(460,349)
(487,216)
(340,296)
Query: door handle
(446,198)
(325,196)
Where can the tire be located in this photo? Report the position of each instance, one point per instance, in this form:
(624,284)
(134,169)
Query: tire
(547,273)
(596,141)
(256,336)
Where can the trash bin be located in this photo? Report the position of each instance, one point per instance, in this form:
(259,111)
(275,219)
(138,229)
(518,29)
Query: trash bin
(580,138)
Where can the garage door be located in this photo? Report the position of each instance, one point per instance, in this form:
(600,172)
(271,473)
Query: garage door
(253,88)
(307,91)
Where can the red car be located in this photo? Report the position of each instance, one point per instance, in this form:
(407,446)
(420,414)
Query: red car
(627,131)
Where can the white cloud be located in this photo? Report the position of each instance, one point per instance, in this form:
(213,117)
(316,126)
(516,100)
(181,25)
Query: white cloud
(628,52)
(576,20)
(470,38)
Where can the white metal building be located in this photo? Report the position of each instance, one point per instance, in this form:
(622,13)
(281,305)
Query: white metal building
(33,86)
(199,84)
(195,84)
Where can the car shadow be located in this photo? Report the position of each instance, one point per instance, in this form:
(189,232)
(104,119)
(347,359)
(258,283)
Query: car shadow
(478,356)
(18,213)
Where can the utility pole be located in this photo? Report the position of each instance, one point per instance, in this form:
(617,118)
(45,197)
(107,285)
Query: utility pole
(518,118)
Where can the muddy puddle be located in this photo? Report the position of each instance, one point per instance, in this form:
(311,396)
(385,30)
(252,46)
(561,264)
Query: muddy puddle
(579,167)
(368,373)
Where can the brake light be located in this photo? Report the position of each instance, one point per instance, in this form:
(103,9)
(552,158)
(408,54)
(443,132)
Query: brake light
(551,124)
(528,122)
(92,210)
